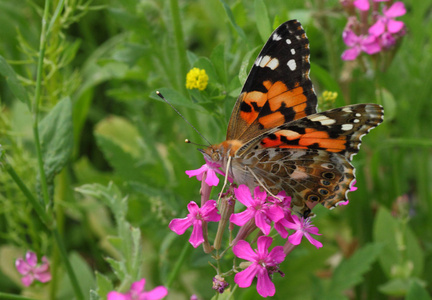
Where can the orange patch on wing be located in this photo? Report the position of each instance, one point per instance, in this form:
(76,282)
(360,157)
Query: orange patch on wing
(276,89)
(257,98)
(272,120)
(312,136)
(291,98)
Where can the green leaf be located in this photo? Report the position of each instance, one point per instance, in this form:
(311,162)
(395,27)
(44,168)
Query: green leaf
(388,103)
(231,18)
(11,78)
(118,267)
(245,65)
(217,57)
(402,256)
(175,98)
(104,285)
(417,291)
(349,273)
(327,82)
(395,287)
(85,279)
(56,135)
(262,20)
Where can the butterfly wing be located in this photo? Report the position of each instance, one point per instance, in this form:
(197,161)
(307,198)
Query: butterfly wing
(278,89)
(309,158)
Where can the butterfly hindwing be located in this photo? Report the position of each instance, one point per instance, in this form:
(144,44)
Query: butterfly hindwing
(310,158)
(278,89)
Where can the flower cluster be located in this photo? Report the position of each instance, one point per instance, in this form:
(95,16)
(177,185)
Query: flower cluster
(30,269)
(260,212)
(371,28)
(196,79)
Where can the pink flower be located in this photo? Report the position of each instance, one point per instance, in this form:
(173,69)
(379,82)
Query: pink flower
(364,4)
(357,44)
(256,208)
(208,213)
(210,168)
(387,22)
(352,189)
(137,292)
(284,202)
(303,227)
(31,270)
(262,262)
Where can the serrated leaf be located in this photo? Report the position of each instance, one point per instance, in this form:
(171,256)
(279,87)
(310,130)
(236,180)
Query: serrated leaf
(117,266)
(12,80)
(349,273)
(262,20)
(104,285)
(56,136)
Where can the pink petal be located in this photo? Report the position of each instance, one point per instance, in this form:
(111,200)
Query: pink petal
(295,224)
(343,202)
(295,238)
(193,208)
(350,38)
(243,195)
(22,267)
(276,256)
(280,228)
(27,280)
(244,278)
(138,286)
(261,223)
(209,207)
(378,28)
(263,243)
(394,26)
(117,296)
(243,250)
(242,218)
(198,172)
(43,277)
(371,48)
(275,213)
(265,287)
(396,10)
(179,226)
(157,293)
(362,4)
(211,179)
(350,54)
(31,258)
(260,195)
(313,230)
(196,237)
(312,241)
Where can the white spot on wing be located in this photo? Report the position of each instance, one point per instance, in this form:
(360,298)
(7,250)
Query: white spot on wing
(356,121)
(276,37)
(288,41)
(293,51)
(264,61)
(292,64)
(358,115)
(273,63)
(258,61)
(347,109)
(347,127)
(323,120)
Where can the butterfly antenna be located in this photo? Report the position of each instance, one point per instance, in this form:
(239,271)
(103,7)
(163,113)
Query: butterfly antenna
(190,142)
(163,98)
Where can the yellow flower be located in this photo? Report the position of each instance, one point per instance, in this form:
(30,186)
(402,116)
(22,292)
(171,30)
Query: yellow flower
(329,96)
(196,79)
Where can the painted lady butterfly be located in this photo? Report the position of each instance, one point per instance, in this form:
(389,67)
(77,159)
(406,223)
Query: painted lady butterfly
(277,139)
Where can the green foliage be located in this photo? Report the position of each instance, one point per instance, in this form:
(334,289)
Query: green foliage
(114,156)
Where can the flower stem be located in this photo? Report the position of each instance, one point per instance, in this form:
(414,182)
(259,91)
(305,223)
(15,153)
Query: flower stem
(185,251)
(36,103)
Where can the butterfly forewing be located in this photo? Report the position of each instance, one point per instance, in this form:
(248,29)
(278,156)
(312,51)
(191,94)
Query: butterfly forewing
(278,88)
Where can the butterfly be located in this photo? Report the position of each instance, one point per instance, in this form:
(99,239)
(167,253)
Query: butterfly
(276,138)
